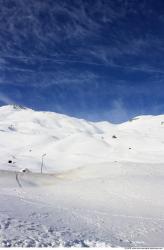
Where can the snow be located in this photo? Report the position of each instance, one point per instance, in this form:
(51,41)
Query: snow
(95,190)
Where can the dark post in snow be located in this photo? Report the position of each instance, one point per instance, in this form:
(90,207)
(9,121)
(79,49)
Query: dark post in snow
(42,163)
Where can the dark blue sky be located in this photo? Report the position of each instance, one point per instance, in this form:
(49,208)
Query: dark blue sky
(94,59)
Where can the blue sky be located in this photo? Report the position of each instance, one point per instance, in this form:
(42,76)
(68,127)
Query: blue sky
(93,59)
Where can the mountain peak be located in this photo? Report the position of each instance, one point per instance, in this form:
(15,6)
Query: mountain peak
(18,107)
(12,107)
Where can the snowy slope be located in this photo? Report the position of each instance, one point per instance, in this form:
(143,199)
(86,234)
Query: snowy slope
(96,190)
(25,135)
(110,204)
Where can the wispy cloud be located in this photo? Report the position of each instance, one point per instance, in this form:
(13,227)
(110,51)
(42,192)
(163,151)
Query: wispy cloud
(42,26)
(6,99)
(118,112)
(96,48)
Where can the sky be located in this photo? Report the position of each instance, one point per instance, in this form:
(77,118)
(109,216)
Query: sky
(92,59)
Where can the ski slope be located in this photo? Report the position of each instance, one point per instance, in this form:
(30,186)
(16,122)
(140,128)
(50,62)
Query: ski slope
(102,183)
(70,143)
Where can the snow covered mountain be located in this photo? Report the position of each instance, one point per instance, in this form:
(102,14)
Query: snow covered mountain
(102,183)
(68,142)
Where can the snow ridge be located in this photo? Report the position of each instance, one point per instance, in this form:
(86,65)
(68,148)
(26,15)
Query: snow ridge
(69,142)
